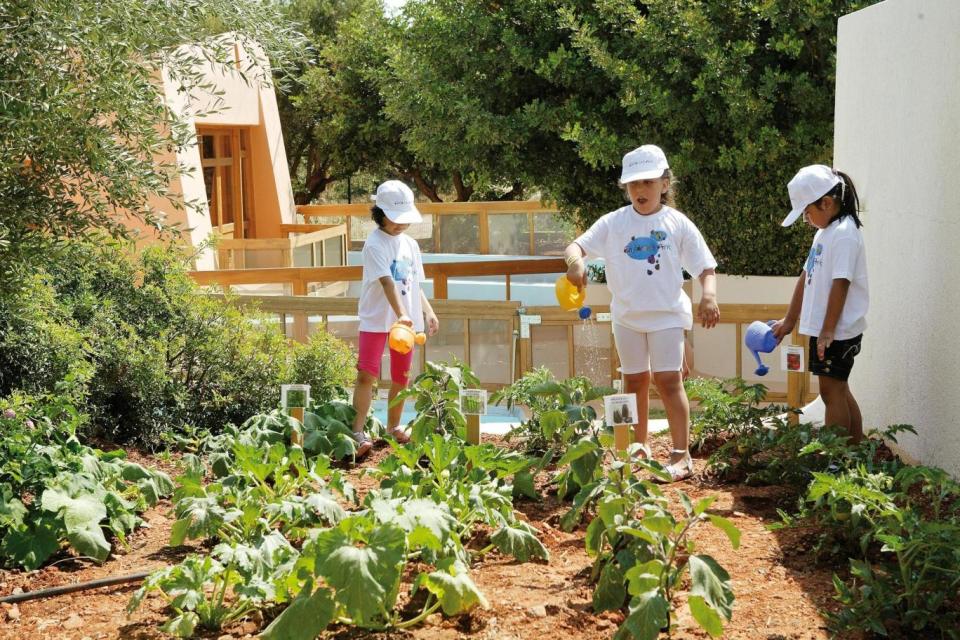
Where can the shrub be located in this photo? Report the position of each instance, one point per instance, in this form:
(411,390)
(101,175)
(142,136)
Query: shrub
(146,353)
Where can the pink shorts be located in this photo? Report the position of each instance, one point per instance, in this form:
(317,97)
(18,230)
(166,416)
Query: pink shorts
(371,351)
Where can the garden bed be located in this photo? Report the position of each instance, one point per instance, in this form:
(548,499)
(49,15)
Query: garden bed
(779,588)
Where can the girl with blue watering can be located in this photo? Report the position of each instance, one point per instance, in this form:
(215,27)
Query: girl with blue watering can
(830,299)
(646,246)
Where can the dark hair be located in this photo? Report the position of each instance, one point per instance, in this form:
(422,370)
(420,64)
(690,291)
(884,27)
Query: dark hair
(378,215)
(846,194)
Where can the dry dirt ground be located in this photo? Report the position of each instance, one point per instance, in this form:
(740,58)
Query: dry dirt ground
(780,590)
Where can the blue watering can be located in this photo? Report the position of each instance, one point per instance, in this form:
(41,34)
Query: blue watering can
(759,339)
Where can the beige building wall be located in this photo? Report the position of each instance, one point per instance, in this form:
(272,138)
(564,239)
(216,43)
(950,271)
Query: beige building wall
(242,104)
(897,134)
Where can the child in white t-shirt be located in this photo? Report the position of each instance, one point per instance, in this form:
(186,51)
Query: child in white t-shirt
(647,245)
(831,297)
(392,273)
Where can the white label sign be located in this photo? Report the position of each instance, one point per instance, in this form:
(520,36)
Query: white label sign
(604,317)
(791,358)
(525,322)
(620,408)
(473,402)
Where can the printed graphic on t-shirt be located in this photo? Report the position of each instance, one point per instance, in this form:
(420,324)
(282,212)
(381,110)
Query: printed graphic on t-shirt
(400,270)
(814,259)
(647,248)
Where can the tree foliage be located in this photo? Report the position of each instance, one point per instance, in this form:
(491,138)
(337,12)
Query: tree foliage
(523,96)
(83,119)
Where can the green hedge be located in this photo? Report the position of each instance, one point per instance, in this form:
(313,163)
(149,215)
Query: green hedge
(135,345)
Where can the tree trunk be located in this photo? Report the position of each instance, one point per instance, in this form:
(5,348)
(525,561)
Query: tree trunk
(423,185)
(515,193)
(463,191)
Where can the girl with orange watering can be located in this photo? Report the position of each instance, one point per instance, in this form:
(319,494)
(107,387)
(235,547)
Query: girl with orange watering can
(392,307)
(647,245)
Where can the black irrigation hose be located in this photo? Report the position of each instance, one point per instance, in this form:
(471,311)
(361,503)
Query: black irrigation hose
(80,586)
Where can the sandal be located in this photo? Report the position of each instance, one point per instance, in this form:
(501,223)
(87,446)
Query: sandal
(399,434)
(641,448)
(681,469)
(364,444)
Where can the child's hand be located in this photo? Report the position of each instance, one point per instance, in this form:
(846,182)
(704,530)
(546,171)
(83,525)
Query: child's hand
(433,324)
(824,340)
(709,312)
(577,274)
(405,319)
(782,328)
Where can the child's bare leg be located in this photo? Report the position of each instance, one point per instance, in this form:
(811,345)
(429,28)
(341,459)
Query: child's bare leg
(674,398)
(395,411)
(834,393)
(856,419)
(362,397)
(639,383)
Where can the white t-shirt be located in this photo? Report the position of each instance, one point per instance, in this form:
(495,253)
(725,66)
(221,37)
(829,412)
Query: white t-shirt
(837,252)
(398,257)
(644,256)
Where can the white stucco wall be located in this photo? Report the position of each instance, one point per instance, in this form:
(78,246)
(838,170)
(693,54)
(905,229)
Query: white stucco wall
(897,134)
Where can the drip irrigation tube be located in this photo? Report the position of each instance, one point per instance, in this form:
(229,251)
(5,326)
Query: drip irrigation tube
(80,586)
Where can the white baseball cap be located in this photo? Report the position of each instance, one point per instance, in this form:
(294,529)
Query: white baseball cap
(643,163)
(809,185)
(396,200)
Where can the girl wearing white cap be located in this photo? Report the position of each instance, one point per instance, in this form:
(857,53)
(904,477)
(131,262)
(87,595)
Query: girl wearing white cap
(647,245)
(830,299)
(392,273)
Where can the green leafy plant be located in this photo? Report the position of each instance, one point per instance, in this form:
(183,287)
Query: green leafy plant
(642,552)
(55,490)
(436,394)
(725,410)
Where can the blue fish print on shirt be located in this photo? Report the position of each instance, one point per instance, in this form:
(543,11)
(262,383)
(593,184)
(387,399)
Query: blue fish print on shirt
(647,248)
(400,272)
(813,259)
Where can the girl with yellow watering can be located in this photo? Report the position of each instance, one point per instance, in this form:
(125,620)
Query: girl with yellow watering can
(392,307)
(647,245)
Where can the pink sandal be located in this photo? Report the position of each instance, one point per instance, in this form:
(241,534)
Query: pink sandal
(399,434)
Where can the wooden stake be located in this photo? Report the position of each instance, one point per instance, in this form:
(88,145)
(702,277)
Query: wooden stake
(473,429)
(621,436)
(296,437)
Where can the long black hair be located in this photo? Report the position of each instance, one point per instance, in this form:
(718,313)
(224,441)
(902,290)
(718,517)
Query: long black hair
(378,215)
(846,194)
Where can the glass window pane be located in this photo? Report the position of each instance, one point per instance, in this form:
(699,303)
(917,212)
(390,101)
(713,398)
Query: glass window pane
(460,233)
(550,349)
(490,343)
(332,252)
(360,228)
(303,256)
(509,234)
(551,234)
(592,352)
(423,233)
(448,343)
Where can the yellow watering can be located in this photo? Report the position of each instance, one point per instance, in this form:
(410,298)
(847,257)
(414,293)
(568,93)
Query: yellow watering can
(569,297)
(402,338)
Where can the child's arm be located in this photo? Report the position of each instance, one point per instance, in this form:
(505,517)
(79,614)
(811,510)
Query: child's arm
(433,324)
(709,311)
(785,325)
(576,270)
(835,302)
(390,290)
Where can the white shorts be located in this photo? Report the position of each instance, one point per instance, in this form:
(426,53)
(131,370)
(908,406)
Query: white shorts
(655,351)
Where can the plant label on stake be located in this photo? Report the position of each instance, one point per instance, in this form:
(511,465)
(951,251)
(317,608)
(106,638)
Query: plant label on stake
(791,358)
(473,404)
(620,412)
(294,399)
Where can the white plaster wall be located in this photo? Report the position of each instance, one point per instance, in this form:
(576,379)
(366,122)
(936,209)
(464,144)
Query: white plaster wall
(897,134)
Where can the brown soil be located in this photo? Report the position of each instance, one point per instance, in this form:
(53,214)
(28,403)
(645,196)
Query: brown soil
(780,590)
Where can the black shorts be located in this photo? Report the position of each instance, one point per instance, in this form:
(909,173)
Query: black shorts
(837,359)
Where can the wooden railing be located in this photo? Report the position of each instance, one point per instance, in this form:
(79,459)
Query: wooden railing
(298,279)
(314,245)
(464,227)
(487,335)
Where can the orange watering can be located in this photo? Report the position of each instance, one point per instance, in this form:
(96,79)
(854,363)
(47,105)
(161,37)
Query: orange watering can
(568,295)
(402,338)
